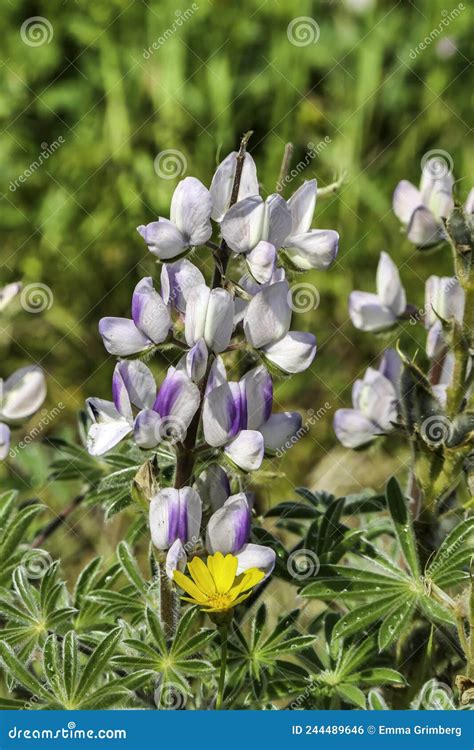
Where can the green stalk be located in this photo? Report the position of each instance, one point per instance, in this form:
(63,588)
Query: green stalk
(223,630)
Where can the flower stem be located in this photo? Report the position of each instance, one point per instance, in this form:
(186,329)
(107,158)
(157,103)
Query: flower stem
(220,690)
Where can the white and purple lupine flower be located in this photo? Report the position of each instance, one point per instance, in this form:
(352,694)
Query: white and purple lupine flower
(238,416)
(194,362)
(282,224)
(21,395)
(189,223)
(223,181)
(422,210)
(8,293)
(149,326)
(267,320)
(161,416)
(228,532)
(175,515)
(375,402)
(444,300)
(377,312)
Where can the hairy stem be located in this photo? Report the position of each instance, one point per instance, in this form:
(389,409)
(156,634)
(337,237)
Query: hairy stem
(220,690)
(285,167)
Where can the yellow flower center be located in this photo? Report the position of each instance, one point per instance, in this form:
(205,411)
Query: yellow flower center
(215,586)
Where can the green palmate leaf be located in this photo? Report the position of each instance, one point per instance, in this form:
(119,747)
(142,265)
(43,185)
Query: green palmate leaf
(15,532)
(52,663)
(7,505)
(86,579)
(350,657)
(436,612)
(258,624)
(351,694)
(98,661)
(456,550)
(20,673)
(365,615)
(156,631)
(395,622)
(293,510)
(397,504)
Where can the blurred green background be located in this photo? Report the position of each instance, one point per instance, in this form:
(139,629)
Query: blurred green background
(361,83)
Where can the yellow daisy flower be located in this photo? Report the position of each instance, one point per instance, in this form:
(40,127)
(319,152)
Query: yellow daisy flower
(216,587)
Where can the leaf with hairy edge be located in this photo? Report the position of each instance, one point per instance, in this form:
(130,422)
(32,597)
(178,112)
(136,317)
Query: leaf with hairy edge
(395,622)
(130,567)
(379,676)
(70,662)
(361,617)
(20,673)
(351,694)
(98,661)
(156,631)
(85,580)
(398,507)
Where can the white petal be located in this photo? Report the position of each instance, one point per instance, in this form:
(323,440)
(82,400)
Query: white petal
(121,336)
(163,238)
(8,293)
(177,402)
(259,396)
(217,374)
(377,400)
(101,410)
(302,205)
(139,382)
(261,261)
(191,208)
(175,514)
(469,205)
(436,177)
(435,340)
(277,223)
(352,428)
(149,312)
(223,181)
(4,440)
(293,353)
(389,287)
(120,395)
(213,486)
(219,415)
(196,361)
(243,224)
(268,315)
(177,281)
(228,529)
(176,559)
(246,450)
(315,249)
(406,199)
(22,393)
(368,314)
(219,320)
(147,429)
(104,436)
(279,430)
(256,556)
(196,313)
(423,229)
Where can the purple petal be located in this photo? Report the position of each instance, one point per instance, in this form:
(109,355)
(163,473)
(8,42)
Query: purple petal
(279,432)
(228,529)
(177,280)
(175,514)
(139,382)
(259,397)
(149,312)
(120,395)
(4,440)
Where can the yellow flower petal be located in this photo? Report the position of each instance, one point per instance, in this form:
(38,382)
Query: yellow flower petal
(246,581)
(201,576)
(223,570)
(189,586)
